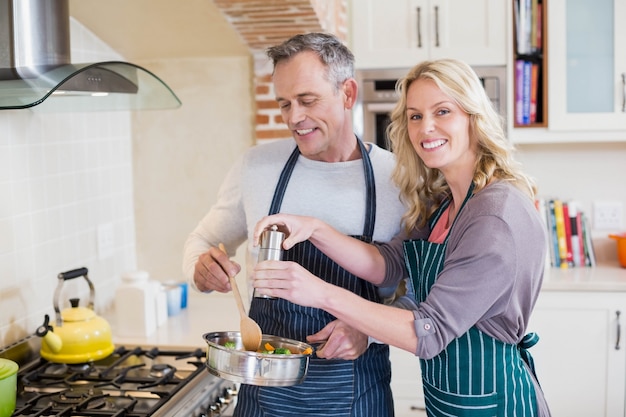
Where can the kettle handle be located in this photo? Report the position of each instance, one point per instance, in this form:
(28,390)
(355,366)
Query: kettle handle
(64,276)
(74,273)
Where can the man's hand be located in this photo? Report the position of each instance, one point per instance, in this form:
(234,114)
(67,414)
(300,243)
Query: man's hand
(213,269)
(342,341)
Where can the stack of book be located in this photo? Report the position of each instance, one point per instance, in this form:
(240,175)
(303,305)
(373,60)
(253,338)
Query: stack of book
(569,233)
(528,59)
(528,26)
(527,79)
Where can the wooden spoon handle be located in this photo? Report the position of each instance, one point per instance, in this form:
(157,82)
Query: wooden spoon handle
(233,284)
(242,310)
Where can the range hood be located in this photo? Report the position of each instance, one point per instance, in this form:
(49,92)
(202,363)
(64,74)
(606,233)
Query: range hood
(36,68)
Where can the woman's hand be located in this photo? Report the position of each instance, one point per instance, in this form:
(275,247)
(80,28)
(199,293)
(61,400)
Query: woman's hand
(296,228)
(290,281)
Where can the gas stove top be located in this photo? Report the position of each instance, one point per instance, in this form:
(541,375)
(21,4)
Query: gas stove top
(132,382)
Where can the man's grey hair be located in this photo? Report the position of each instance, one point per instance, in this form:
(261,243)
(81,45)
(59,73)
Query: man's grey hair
(332,52)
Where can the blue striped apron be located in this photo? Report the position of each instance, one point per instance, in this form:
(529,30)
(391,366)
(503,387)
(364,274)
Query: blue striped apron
(333,387)
(476,375)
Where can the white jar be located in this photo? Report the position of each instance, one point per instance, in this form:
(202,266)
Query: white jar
(160,302)
(174,294)
(135,307)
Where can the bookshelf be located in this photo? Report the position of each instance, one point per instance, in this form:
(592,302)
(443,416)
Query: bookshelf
(530,63)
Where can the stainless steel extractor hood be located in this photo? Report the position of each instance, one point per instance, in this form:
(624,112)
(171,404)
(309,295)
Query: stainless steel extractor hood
(36,68)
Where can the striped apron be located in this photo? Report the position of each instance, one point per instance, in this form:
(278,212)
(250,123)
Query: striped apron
(333,387)
(476,375)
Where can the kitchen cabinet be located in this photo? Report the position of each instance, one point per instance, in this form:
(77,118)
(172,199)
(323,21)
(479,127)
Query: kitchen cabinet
(586,68)
(402,33)
(406,384)
(581,357)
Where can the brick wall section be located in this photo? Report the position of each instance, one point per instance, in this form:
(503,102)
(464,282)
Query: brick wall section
(261,24)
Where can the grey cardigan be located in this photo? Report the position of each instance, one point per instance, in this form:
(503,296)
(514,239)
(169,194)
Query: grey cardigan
(492,274)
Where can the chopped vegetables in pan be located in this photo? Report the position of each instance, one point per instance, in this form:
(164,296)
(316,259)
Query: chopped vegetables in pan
(269,349)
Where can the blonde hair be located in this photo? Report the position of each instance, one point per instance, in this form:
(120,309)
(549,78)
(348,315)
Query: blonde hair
(423,189)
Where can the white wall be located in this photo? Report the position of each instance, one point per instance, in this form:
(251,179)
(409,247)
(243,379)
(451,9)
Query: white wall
(181,158)
(152,175)
(585,172)
(61,175)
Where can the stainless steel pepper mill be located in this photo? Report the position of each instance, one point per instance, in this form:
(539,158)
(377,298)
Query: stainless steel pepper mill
(270,249)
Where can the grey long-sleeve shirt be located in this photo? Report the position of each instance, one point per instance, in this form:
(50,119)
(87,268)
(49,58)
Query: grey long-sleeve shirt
(333,192)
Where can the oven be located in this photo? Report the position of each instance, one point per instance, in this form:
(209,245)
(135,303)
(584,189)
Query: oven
(134,381)
(377,98)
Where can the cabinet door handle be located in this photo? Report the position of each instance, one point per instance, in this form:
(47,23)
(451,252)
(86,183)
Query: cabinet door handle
(437,26)
(619,330)
(419,27)
(623,92)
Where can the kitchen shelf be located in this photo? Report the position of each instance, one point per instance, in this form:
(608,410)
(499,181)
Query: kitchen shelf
(530,64)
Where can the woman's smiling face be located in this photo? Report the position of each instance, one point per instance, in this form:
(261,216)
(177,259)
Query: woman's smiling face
(438,128)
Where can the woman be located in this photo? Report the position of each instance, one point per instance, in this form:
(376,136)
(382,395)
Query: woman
(473,247)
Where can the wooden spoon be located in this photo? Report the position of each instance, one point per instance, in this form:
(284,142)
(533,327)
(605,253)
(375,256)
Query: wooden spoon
(250,331)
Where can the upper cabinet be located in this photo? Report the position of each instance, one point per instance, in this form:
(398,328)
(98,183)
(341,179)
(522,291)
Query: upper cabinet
(401,33)
(585,58)
(587,69)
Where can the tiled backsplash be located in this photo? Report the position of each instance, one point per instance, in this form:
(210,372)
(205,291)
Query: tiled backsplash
(61,176)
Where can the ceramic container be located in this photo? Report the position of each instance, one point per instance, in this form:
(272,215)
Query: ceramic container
(8,386)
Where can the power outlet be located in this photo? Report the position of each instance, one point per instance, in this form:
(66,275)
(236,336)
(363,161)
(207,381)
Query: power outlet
(106,240)
(608,215)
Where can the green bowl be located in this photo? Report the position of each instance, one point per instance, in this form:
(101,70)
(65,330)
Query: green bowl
(8,386)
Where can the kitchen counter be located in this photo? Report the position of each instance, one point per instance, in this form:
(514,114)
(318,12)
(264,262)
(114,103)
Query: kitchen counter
(218,312)
(204,313)
(606,277)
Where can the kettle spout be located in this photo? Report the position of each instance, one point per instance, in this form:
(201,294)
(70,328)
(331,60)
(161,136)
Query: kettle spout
(51,339)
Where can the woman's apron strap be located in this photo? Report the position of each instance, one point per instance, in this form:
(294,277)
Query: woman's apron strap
(528,341)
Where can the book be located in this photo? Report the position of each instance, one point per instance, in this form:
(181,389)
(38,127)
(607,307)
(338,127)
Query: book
(540,205)
(519,11)
(554,242)
(539,31)
(526,92)
(574,218)
(568,234)
(534,91)
(519,88)
(526,22)
(590,255)
(579,226)
(518,29)
(533,25)
(560,233)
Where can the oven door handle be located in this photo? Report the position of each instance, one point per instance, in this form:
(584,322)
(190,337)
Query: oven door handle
(380,107)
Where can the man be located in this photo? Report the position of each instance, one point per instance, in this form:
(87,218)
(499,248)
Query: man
(326,172)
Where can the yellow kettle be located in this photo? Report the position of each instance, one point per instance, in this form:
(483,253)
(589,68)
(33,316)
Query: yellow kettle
(78,335)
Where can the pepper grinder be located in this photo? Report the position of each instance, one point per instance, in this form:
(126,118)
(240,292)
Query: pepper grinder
(270,249)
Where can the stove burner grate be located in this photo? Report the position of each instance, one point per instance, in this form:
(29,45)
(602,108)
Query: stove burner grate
(131,382)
